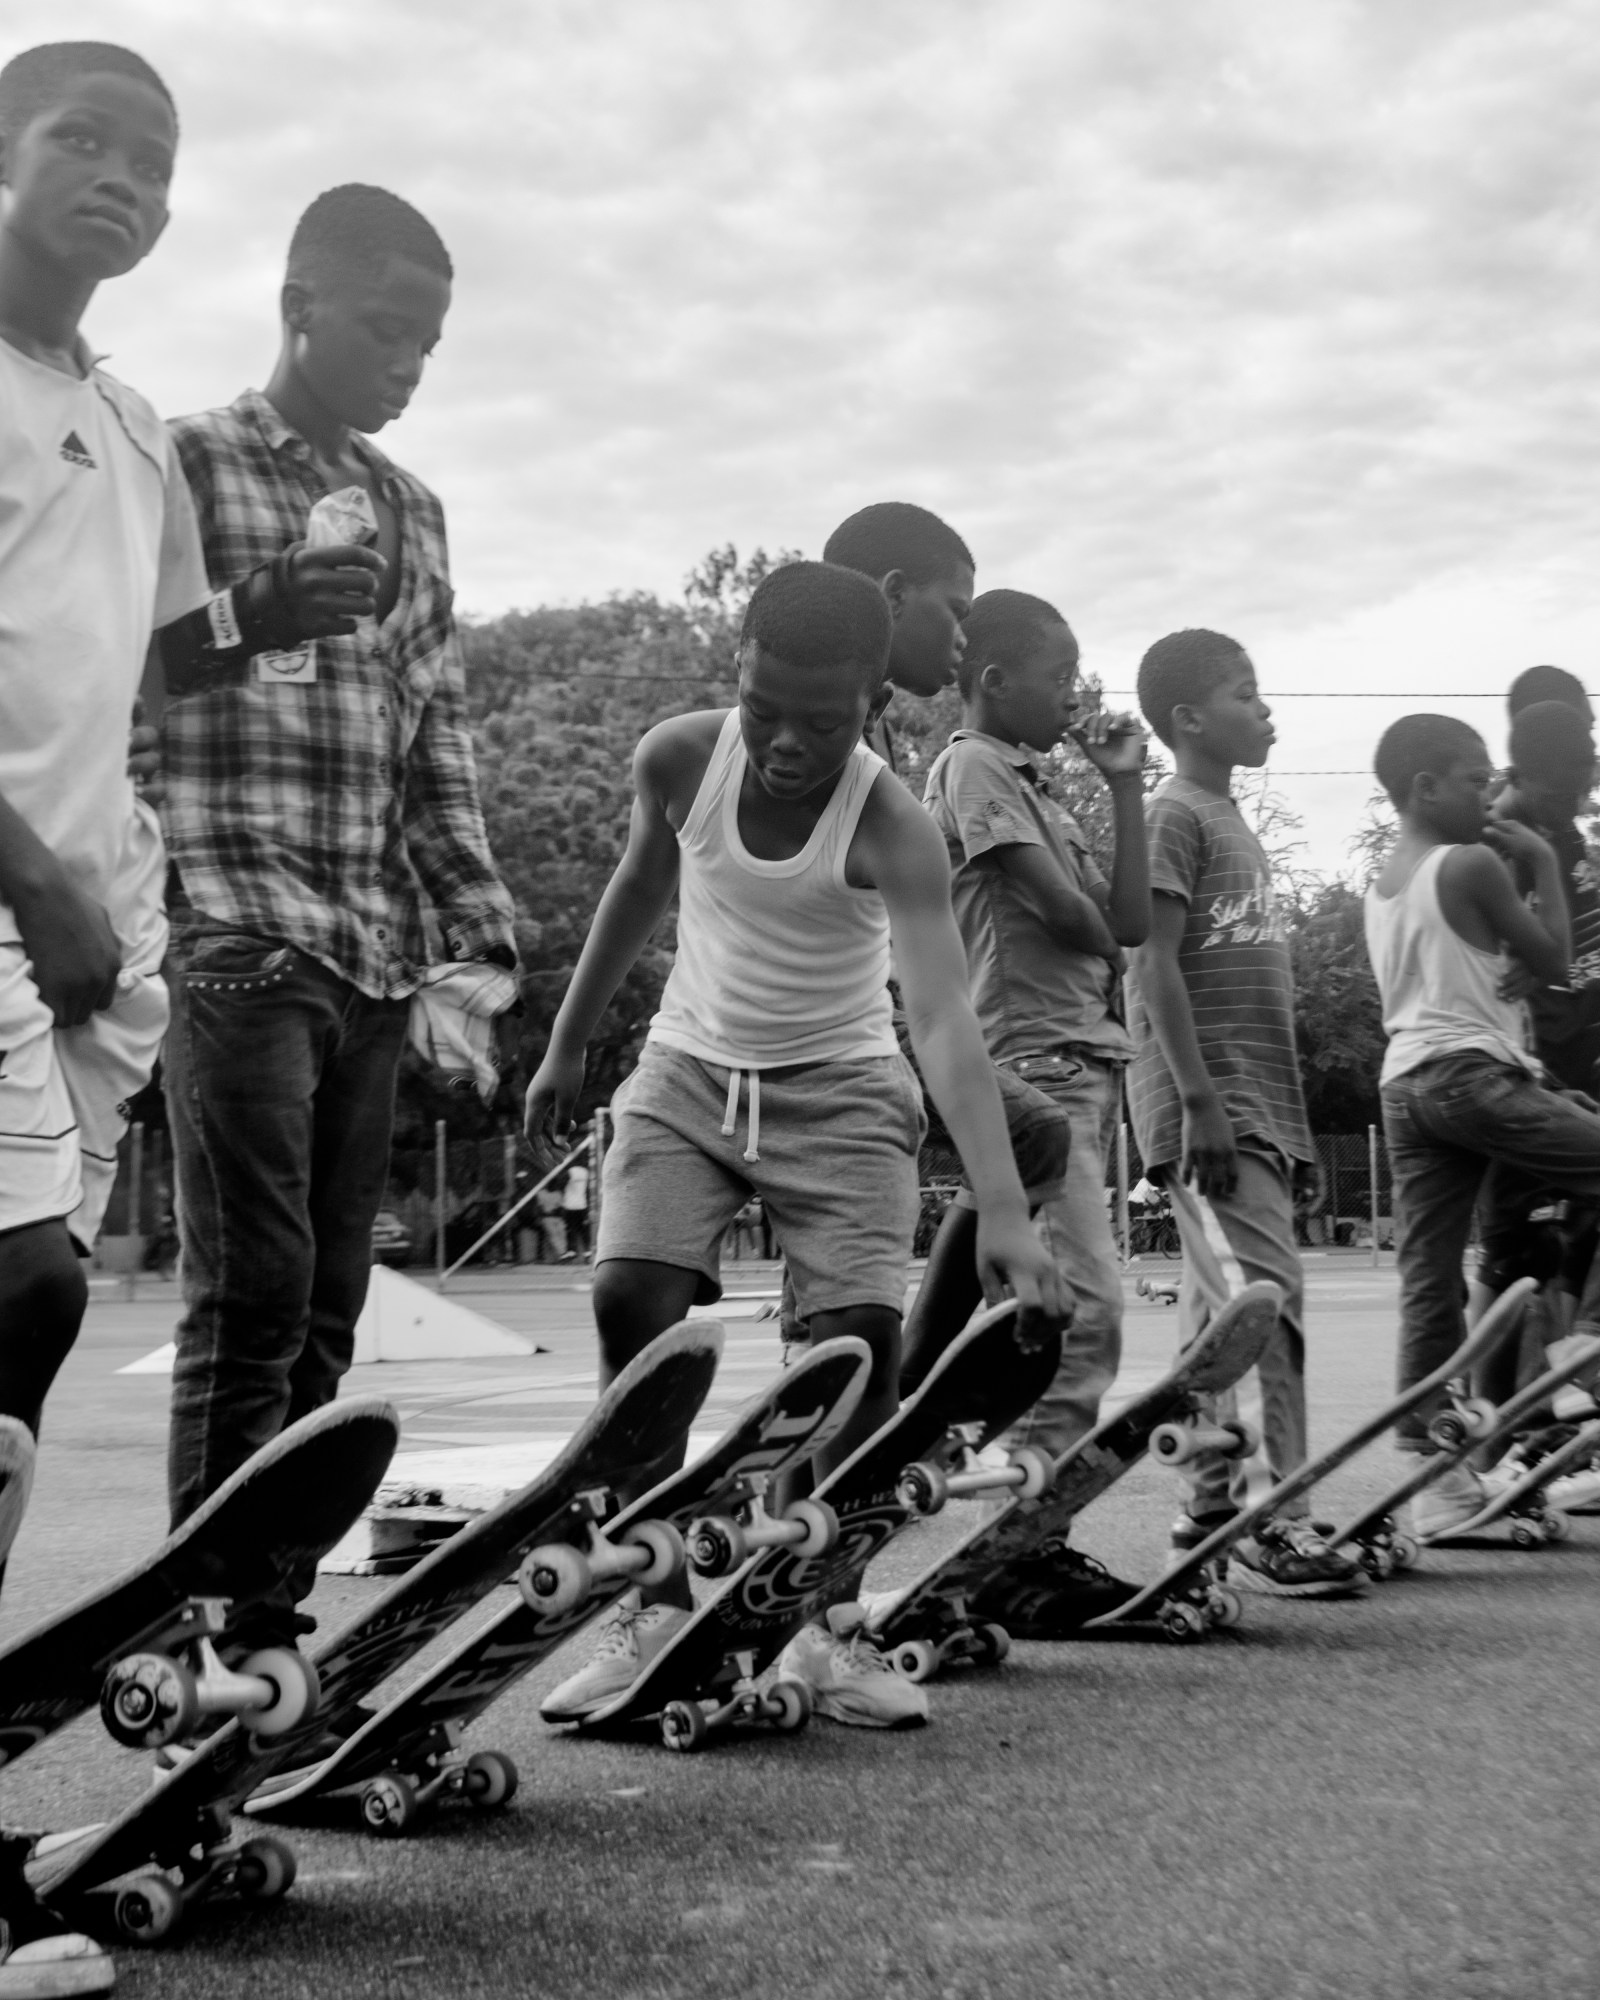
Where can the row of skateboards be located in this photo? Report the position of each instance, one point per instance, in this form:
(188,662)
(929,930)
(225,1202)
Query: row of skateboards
(286,1728)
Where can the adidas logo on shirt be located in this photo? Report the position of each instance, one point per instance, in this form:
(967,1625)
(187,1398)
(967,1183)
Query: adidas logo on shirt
(76,452)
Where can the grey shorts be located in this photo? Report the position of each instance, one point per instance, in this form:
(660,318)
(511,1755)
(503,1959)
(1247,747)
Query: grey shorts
(837,1172)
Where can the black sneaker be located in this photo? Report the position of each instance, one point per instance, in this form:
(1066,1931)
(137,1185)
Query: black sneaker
(1291,1559)
(1050,1593)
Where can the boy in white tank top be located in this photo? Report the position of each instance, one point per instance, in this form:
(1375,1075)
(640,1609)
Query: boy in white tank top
(1450,940)
(772,1067)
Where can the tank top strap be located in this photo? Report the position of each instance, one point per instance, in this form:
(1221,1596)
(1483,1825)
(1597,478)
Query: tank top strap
(724,754)
(844,813)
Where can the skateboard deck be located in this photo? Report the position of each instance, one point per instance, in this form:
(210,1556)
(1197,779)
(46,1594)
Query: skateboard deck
(704,1678)
(182,1824)
(140,1646)
(1186,1601)
(1533,1521)
(931,1622)
(1374,1535)
(410,1753)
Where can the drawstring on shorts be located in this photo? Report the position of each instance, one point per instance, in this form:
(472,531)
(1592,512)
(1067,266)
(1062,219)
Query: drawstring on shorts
(730,1117)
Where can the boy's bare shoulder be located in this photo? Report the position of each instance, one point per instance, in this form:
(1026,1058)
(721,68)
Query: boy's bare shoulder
(674,754)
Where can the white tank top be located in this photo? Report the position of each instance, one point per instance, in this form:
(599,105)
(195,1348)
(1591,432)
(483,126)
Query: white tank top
(778,961)
(1440,994)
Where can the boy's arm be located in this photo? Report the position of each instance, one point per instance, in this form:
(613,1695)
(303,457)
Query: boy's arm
(68,937)
(1073,919)
(905,859)
(633,903)
(1542,942)
(1116,746)
(1209,1154)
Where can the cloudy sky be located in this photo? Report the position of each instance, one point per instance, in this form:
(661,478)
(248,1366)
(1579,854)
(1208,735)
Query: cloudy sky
(1277,318)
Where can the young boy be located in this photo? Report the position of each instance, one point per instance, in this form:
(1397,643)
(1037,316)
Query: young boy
(1215,1085)
(326,838)
(97,548)
(925,571)
(1461,1085)
(771,1067)
(1044,933)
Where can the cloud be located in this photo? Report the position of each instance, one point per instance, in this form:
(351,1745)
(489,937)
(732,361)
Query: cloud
(1278,319)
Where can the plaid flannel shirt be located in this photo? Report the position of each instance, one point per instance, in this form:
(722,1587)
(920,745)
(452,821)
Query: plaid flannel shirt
(340,814)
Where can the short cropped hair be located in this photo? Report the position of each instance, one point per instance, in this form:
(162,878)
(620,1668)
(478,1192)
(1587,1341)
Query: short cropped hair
(38,79)
(355,227)
(1003,629)
(1547,684)
(817,614)
(893,534)
(1184,666)
(1422,743)
(1549,745)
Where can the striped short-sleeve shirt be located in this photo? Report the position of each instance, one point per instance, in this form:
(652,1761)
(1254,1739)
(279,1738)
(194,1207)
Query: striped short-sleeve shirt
(1234,958)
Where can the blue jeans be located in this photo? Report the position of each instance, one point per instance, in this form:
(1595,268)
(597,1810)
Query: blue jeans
(1444,1123)
(1077,1227)
(280,1093)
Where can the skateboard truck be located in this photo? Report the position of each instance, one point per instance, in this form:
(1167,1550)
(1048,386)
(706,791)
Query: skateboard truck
(962,1637)
(559,1576)
(1179,1443)
(924,1487)
(150,1905)
(156,1695)
(391,1801)
(1468,1419)
(720,1543)
(786,1704)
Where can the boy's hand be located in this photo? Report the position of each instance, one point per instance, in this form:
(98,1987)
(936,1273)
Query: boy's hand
(1210,1154)
(330,588)
(1114,743)
(144,758)
(1514,842)
(553,1092)
(75,954)
(1010,1255)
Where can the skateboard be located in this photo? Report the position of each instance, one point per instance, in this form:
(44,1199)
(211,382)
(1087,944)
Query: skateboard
(932,1621)
(704,1679)
(1188,1600)
(182,1825)
(410,1754)
(143,1647)
(1523,1503)
(1375,1536)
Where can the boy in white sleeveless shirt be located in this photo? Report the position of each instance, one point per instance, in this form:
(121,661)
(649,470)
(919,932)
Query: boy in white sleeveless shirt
(1461,1086)
(772,1067)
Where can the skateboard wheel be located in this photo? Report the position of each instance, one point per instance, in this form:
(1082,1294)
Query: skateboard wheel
(266,1869)
(1525,1535)
(1378,1563)
(916,1660)
(295,1680)
(1170,1444)
(490,1778)
(663,1544)
(1478,1416)
(1038,1471)
(922,1489)
(1246,1438)
(1183,1623)
(389,1803)
(554,1579)
(1556,1527)
(683,1725)
(717,1545)
(788,1705)
(147,1910)
(1449,1430)
(148,1700)
(1403,1551)
(991,1643)
(821,1526)
(1224,1607)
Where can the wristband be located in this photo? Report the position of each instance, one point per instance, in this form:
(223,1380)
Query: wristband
(252,616)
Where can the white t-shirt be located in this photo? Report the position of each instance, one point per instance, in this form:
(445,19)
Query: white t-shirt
(98,547)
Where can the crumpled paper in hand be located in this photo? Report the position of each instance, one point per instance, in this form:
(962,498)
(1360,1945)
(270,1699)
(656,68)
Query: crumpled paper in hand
(342,518)
(452,1020)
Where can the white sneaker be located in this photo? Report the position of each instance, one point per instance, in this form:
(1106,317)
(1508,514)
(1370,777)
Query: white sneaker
(629,1640)
(1454,1497)
(1502,1477)
(1576,1492)
(55,1966)
(849,1678)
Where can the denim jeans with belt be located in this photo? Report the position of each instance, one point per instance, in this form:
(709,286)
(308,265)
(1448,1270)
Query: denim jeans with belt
(280,1082)
(1443,1123)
